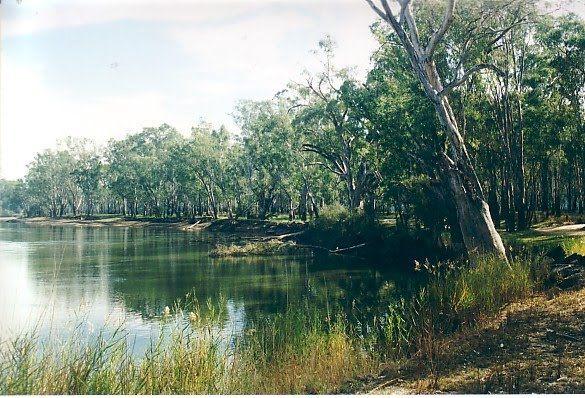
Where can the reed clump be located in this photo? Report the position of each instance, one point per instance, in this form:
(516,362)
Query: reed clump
(456,297)
(291,353)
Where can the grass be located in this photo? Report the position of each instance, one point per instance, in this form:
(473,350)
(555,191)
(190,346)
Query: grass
(523,349)
(300,351)
(457,297)
(568,218)
(267,248)
(575,245)
(541,243)
(293,353)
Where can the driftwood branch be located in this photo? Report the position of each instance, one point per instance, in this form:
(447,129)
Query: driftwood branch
(341,251)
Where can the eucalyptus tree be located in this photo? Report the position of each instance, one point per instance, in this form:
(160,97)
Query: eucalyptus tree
(561,42)
(425,47)
(407,140)
(333,131)
(48,183)
(137,172)
(240,195)
(12,196)
(121,172)
(209,149)
(86,172)
(268,149)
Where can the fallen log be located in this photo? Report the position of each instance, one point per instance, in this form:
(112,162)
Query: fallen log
(341,251)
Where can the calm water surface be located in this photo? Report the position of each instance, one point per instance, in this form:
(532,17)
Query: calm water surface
(56,279)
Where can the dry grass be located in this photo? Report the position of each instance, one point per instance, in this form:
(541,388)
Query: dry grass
(291,353)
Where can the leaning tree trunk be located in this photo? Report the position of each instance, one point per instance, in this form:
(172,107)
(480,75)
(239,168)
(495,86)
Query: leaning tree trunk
(473,215)
(477,227)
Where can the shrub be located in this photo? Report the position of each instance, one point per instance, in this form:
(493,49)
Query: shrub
(337,227)
(271,247)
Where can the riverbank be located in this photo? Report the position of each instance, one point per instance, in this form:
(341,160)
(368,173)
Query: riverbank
(244,237)
(535,345)
(242,228)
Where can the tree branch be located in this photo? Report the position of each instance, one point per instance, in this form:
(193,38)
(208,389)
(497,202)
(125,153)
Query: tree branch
(437,36)
(377,10)
(457,82)
(388,16)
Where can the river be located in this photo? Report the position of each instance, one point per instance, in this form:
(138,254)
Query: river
(58,279)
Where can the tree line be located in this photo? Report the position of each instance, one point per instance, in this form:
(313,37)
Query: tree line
(471,118)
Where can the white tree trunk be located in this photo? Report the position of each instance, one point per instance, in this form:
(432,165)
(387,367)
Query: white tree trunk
(478,230)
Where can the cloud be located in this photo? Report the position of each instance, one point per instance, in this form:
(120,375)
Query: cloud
(271,46)
(34,117)
(33,16)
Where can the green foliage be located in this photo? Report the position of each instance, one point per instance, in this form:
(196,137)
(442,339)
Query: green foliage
(338,227)
(268,142)
(12,197)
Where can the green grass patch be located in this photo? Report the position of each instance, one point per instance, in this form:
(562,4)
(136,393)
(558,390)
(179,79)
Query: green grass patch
(540,243)
(267,248)
(575,245)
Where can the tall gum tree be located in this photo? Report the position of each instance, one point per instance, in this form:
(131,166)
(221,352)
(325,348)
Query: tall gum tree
(477,228)
(332,129)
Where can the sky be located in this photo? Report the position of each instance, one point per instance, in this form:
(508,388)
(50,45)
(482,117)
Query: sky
(106,68)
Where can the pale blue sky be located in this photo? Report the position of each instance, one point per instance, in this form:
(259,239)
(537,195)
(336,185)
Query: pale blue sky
(104,68)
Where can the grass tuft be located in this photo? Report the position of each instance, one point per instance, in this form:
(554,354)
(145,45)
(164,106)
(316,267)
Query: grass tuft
(268,248)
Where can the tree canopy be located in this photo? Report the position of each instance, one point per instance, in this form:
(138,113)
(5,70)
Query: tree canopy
(471,113)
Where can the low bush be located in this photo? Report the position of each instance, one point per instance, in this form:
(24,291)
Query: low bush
(337,227)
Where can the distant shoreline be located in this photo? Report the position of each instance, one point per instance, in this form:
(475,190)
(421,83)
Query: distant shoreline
(242,228)
(114,221)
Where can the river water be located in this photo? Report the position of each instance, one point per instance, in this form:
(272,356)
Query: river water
(55,280)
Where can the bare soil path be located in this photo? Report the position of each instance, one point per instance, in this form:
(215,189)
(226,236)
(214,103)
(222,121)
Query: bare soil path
(572,230)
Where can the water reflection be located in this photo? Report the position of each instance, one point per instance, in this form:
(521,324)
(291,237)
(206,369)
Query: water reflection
(100,277)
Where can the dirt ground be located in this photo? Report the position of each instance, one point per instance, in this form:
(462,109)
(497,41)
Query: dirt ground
(537,346)
(571,230)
